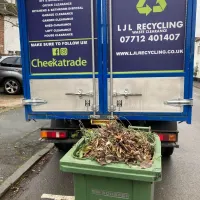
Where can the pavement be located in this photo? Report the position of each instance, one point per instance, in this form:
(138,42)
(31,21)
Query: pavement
(181,177)
(44,178)
(19,141)
(196,84)
(8,102)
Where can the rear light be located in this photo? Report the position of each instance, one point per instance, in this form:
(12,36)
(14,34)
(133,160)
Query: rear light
(43,134)
(172,137)
(167,137)
(161,136)
(53,134)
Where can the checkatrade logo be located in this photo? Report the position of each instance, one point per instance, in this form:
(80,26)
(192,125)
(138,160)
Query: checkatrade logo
(144,9)
(59,61)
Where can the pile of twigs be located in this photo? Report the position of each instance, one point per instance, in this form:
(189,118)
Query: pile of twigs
(113,143)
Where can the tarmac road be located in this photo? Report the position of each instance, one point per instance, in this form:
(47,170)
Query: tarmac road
(181,173)
(19,140)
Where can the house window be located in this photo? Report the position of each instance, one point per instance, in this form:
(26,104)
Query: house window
(198,49)
(17,53)
(11,53)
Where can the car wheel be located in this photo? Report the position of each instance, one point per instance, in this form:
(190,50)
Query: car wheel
(12,86)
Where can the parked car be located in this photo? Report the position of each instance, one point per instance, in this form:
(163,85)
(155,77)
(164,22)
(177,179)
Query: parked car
(11,74)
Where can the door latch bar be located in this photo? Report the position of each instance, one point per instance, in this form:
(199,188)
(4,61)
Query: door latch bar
(111,60)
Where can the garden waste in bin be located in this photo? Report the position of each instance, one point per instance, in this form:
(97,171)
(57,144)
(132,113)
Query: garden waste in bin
(113,181)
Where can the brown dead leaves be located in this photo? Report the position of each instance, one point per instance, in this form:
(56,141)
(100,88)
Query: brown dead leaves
(114,143)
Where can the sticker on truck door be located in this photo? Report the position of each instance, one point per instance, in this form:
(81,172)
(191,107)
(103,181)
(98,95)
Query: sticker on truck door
(60,36)
(148,35)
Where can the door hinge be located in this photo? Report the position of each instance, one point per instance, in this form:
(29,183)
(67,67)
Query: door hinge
(119,104)
(179,102)
(33,102)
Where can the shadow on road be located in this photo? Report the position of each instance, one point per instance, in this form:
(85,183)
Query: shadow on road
(167,184)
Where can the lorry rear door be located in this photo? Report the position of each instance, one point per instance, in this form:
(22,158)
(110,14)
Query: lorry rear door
(150,68)
(61,50)
(105,58)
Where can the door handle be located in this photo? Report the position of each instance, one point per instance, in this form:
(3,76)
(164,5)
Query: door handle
(80,93)
(126,94)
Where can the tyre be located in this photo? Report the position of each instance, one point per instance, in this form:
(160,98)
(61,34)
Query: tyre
(63,146)
(61,124)
(12,86)
(167,151)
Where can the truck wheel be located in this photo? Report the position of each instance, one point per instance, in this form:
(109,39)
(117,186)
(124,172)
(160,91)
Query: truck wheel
(167,151)
(63,146)
(165,126)
(61,124)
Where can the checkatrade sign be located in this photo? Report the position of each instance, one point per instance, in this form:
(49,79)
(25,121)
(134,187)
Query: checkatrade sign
(148,35)
(60,36)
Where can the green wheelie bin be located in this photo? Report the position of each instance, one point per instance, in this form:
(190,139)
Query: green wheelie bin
(113,181)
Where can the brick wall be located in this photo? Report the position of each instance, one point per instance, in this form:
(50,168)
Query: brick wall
(1,35)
